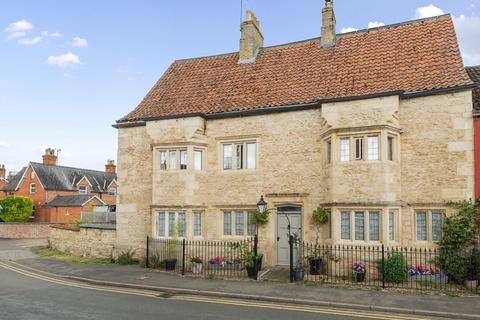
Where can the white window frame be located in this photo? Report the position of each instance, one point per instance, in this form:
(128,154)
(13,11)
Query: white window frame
(242,160)
(344,149)
(172,159)
(81,188)
(198,162)
(32,188)
(373,148)
(163,160)
(183,160)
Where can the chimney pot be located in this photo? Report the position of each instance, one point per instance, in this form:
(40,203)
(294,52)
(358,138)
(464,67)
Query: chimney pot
(49,158)
(3,172)
(110,167)
(329,32)
(251,40)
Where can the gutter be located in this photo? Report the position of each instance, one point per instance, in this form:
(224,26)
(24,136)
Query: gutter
(295,107)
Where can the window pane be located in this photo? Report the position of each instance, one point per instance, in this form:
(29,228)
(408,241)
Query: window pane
(251,155)
(173,160)
(198,160)
(183,160)
(251,225)
(345,225)
(239,224)
(374,226)
(227,223)
(171,223)
(359,225)
(161,224)
(437,220)
(372,148)
(197,224)
(239,150)
(390,148)
(163,160)
(421,226)
(227,157)
(391,226)
(329,151)
(345,150)
(181,224)
(359,148)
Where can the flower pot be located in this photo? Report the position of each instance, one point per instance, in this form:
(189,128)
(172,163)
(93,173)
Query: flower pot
(315,266)
(298,275)
(471,284)
(360,276)
(170,264)
(252,272)
(197,268)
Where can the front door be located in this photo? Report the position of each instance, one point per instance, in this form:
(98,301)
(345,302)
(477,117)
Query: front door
(286,216)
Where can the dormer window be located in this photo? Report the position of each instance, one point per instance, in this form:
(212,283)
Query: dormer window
(82,190)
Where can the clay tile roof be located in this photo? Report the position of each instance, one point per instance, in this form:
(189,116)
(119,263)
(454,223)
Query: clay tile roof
(474,73)
(414,56)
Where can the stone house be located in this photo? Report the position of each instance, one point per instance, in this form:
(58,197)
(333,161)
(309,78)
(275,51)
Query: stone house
(373,125)
(47,181)
(474,73)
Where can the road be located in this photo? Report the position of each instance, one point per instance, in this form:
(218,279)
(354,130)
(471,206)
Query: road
(26,294)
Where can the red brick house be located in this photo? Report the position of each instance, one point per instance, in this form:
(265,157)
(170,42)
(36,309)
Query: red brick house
(69,208)
(44,182)
(3,179)
(474,73)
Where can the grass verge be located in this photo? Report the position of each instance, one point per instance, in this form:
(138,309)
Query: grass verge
(58,255)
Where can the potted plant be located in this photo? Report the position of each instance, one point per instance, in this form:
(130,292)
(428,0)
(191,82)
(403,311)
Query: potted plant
(250,265)
(319,218)
(197,265)
(359,270)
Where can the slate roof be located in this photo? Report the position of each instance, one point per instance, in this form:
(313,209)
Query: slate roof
(474,73)
(76,200)
(64,178)
(415,56)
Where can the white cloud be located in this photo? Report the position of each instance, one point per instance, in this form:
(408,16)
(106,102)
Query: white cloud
(64,60)
(79,42)
(55,34)
(428,11)
(348,29)
(3,144)
(29,42)
(468,32)
(18,29)
(375,24)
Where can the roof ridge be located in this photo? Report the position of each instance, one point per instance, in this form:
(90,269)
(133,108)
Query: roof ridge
(365,30)
(91,170)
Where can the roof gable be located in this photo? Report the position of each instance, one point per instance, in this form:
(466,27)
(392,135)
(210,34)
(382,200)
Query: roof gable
(72,201)
(411,57)
(14,183)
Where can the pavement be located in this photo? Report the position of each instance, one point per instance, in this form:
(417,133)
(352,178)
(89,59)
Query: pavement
(136,277)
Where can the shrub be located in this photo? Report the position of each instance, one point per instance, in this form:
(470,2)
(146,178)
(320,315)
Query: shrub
(16,209)
(396,269)
(156,262)
(127,258)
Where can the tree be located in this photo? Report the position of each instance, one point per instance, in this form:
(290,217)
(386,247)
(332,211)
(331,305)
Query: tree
(16,209)
(319,218)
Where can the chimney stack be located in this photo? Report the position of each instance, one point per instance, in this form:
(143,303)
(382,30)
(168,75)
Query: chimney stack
(110,167)
(3,172)
(49,158)
(329,33)
(251,40)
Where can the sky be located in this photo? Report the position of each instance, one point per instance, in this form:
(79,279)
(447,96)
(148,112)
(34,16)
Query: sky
(70,69)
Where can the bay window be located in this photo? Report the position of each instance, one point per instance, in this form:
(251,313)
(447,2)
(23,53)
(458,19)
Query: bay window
(373,148)
(345,149)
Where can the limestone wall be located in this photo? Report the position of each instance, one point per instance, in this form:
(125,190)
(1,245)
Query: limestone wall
(85,242)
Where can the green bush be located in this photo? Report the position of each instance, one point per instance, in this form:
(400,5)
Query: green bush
(127,258)
(396,269)
(16,209)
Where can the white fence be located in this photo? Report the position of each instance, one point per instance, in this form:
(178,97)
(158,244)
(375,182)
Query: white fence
(99,217)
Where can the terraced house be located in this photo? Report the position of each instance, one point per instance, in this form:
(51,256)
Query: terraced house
(374,125)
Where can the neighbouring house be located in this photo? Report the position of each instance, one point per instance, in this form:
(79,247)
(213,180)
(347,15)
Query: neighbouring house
(374,125)
(53,187)
(474,73)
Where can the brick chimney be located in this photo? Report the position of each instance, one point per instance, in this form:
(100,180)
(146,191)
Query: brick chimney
(251,40)
(49,158)
(329,32)
(110,167)
(3,172)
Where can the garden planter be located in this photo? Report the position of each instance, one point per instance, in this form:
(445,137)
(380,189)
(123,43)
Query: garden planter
(471,284)
(315,266)
(252,271)
(360,276)
(170,264)
(298,275)
(197,268)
